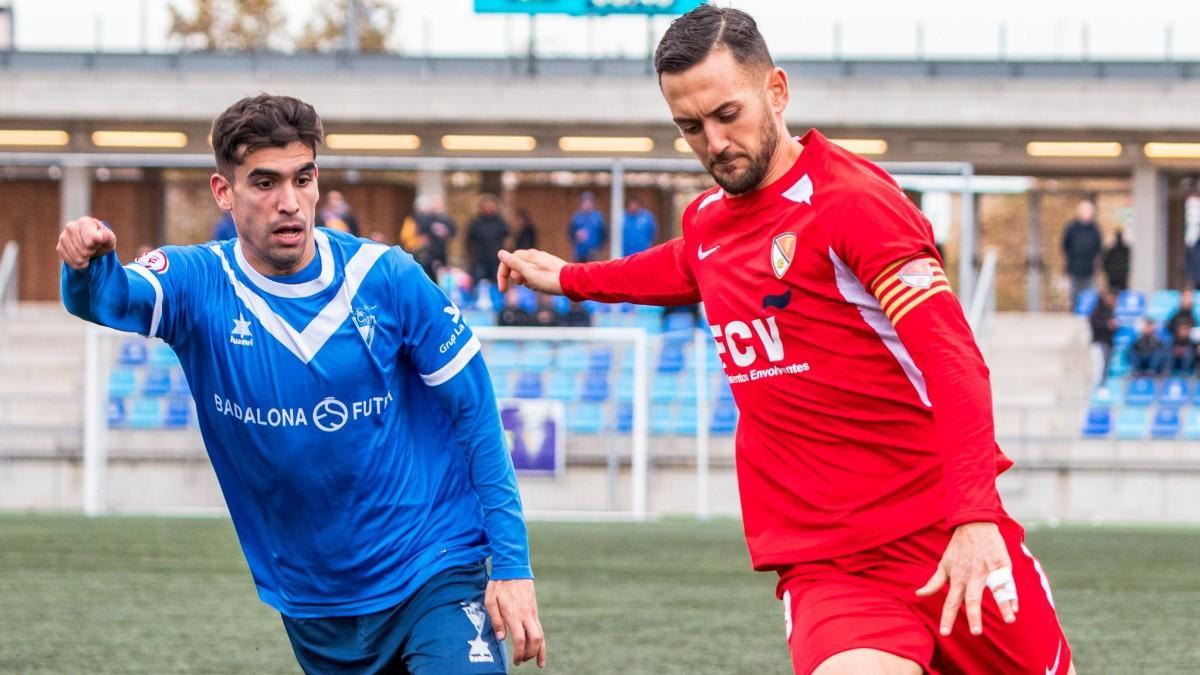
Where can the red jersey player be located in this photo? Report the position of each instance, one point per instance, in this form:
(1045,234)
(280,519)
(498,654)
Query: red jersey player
(866,456)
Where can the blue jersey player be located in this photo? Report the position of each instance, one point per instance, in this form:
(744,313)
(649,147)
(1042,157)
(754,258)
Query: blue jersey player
(346,409)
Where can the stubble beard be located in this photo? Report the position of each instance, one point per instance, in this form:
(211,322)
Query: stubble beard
(752,175)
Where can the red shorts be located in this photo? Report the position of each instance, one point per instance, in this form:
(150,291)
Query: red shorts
(868,600)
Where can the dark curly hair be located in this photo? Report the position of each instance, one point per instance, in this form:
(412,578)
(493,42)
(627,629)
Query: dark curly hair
(263,121)
(694,35)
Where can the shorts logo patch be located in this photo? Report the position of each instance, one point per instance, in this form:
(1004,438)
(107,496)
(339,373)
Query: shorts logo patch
(783,248)
(155,261)
(918,274)
(479,650)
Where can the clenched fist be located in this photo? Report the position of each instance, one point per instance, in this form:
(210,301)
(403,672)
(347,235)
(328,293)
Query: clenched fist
(84,239)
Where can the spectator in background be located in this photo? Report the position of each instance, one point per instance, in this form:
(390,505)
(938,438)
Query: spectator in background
(1191,237)
(1081,247)
(1116,263)
(512,314)
(486,235)
(1184,317)
(546,316)
(427,233)
(577,316)
(587,229)
(526,231)
(1104,324)
(1182,352)
(223,229)
(336,214)
(1146,354)
(639,228)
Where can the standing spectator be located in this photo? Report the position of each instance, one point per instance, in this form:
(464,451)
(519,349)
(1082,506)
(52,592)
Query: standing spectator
(223,229)
(427,233)
(486,235)
(639,228)
(1146,354)
(526,232)
(545,315)
(1081,247)
(577,316)
(1116,263)
(336,215)
(1191,237)
(587,229)
(1104,324)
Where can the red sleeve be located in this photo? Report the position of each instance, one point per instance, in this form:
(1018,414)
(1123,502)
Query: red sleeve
(888,243)
(657,276)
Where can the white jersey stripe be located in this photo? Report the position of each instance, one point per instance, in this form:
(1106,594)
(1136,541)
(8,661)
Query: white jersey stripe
(156,315)
(868,305)
(456,364)
(302,290)
(1037,565)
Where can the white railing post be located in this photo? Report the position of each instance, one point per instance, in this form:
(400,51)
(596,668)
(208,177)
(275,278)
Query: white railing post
(639,455)
(700,354)
(983,300)
(95,455)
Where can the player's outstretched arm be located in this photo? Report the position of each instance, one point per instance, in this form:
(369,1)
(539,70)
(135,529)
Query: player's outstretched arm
(661,275)
(96,288)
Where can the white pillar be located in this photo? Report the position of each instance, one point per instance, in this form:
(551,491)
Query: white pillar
(431,182)
(1149,232)
(75,193)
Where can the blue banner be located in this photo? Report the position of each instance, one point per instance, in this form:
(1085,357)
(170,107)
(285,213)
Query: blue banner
(536,432)
(586,7)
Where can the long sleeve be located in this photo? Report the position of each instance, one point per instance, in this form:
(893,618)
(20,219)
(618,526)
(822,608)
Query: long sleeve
(889,245)
(469,399)
(124,298)
(657,276)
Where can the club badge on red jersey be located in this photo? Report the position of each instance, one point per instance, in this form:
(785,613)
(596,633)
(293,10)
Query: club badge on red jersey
(783,249)
(917,274)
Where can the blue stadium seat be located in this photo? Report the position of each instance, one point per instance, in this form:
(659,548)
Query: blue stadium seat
(133,352)
(561,303)
(157,382)
(595,388)
(1174,392)
(680,321)
(594,307)
(600,359)
(500,383)
(683,422)
(1131,306)
(1166,423)
(652,324)
(687,389)
(586,418)
(480,318)
(115,411)
(563,386)
(121,382)
(624,393)
(529,385)
(724,391)
(660,420)
(1133,423)
(1086,301)
(145,414)
(163,355)
(1140,392)
(1107,395)
(1123,337)
(624,417)
(536,356)
(724,418)
(502,356)
(671,359)
(179,412)
(1119,364)
(572,358)
(663,390)
(179,385)
(1163,303)
(1191,424)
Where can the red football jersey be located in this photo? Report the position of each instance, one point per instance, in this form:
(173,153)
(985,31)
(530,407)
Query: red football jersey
(865,405)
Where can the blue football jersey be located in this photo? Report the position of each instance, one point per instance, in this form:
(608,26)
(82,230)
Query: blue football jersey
(346,410)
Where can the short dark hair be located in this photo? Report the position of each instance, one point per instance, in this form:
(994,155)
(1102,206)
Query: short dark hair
(263,121)
(691,38)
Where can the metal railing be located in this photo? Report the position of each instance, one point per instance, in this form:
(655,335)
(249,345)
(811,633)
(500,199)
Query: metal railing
(8,279)
(983,299)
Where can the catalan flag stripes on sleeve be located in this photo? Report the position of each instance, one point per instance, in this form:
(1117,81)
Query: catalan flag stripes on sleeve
(907,283)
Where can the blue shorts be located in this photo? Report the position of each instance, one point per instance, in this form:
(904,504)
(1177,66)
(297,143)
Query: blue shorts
(443,628)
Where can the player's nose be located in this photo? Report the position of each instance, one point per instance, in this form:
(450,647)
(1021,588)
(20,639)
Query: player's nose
(289,199)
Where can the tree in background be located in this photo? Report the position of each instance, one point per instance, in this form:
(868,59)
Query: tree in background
(229,25)
(376,20)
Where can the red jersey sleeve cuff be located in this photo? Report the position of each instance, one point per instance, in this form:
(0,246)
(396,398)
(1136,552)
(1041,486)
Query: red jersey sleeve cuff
(568,279)
(985,515)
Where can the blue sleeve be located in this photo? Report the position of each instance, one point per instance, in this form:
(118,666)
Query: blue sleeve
(446,354)
(141,297)
(110,295)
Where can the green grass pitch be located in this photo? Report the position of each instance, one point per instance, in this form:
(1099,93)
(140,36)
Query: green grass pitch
(160,595)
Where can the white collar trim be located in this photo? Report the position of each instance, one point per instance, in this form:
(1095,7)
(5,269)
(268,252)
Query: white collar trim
(300,290)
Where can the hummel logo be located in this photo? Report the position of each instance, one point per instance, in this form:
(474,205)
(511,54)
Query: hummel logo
(702,254)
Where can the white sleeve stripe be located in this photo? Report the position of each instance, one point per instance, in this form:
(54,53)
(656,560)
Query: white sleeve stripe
(156,315)
(460,360)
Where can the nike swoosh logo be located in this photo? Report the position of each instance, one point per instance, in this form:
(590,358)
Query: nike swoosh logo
(702,254)
(1057,657)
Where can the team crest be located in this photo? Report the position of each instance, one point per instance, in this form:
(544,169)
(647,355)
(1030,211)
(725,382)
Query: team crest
(155,261)
(917,274)
(364,320)
(479,652)
(783,248)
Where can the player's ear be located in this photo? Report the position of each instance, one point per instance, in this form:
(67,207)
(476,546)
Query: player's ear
(221,191)
(777,89)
